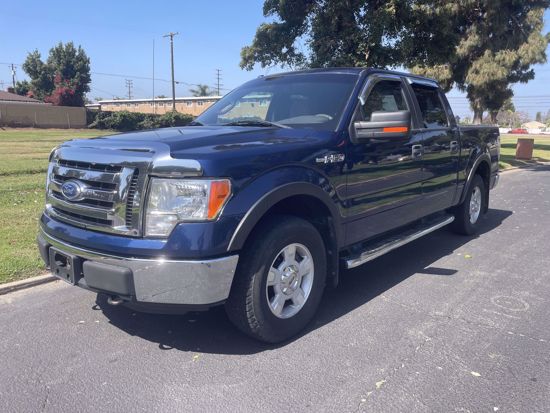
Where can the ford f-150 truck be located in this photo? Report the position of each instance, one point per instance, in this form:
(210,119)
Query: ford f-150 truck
(262,200)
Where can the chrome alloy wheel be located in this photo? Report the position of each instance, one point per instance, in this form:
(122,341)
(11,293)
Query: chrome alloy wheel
(475,205)
(289,280)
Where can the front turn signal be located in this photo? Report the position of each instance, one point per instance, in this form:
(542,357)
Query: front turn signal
(219,193)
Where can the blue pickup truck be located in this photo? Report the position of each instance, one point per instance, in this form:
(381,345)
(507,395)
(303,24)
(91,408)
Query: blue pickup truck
(261,201)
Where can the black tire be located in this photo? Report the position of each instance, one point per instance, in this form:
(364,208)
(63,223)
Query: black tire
(462,223)
(247,305)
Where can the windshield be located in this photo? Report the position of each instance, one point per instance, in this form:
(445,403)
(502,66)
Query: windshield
(297,101)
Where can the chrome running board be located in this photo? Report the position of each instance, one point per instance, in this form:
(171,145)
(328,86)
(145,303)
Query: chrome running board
(385,246)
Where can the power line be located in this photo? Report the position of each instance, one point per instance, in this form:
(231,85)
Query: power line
(102,90)
(171,35)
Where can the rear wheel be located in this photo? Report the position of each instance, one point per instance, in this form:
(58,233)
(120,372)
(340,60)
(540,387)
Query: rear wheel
(468,214)
(279,281)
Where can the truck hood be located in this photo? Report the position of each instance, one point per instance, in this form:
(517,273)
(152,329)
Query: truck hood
(232,151)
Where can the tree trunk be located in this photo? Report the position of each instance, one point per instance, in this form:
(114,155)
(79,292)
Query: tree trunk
(493,115)
(478,116)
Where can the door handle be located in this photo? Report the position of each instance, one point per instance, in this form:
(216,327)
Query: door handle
(454,146)
(417,151)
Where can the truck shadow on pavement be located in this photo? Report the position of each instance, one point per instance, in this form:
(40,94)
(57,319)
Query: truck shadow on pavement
(211,331)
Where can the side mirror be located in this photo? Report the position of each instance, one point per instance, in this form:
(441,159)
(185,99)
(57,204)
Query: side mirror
(384,125)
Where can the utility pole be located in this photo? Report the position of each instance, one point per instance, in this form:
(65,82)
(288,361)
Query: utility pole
(218,78)
(154,105)
(13,75)
(129,85)
(171,36)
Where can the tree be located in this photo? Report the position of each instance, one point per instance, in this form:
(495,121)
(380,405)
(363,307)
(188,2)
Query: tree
(23,88)
(63,79)
(507,116)
(494,44)
(523,117)
(538,117)
(334,33)
(480,46)
(201,90)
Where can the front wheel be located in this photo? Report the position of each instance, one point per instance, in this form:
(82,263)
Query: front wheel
(279,281)
(468,214)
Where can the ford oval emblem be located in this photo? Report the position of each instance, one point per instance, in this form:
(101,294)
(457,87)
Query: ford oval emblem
(72,190)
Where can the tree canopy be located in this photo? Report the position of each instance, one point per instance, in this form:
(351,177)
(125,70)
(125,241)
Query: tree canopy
(63,79)
(321,33)
(494,45)
(481,47)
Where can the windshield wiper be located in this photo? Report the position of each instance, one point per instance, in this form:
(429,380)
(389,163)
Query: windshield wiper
(257,122)
(195,123)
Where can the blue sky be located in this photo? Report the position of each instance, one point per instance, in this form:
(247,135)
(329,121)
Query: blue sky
(118,37)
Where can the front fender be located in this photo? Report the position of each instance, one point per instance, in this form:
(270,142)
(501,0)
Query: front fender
(256,198)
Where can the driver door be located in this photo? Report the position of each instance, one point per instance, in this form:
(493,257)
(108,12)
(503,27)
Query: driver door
(384,175)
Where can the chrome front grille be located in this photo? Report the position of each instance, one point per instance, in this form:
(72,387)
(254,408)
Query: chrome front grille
(107,195)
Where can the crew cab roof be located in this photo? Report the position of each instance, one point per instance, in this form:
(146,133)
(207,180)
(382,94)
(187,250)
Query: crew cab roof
(351,71)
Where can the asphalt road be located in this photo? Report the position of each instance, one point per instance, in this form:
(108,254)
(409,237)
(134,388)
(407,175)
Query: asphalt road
(446,323)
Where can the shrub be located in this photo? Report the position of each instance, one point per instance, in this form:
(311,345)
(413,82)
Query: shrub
(128,121)
(91,116)
(174,119)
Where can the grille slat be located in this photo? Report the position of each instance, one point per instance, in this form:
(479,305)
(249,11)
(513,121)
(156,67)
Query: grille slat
(132,189)
(83,218)
(92,184)
(87,202)
(89,166)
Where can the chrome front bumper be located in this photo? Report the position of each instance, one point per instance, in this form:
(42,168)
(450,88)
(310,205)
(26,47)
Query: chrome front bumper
(152,280)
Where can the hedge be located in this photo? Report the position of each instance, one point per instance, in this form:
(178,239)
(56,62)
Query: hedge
(128,121)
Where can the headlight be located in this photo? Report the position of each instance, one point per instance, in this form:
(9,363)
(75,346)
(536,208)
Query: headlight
(175,200)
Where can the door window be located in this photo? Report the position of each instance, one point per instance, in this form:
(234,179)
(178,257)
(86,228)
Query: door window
(385,96)
(431,107)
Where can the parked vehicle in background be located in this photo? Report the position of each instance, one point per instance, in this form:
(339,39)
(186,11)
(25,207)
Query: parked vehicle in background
(518,131)
(260,202)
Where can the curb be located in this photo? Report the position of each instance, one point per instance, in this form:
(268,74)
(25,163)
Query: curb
(23,284)
(532,165)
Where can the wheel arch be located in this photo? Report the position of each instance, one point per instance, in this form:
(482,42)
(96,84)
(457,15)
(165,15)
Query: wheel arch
(481,166)
(301,199)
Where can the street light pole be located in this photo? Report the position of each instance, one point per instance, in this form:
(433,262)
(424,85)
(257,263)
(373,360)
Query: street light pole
(171,36)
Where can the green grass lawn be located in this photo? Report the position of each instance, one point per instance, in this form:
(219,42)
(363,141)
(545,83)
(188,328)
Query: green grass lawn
(541,150)
(23,165)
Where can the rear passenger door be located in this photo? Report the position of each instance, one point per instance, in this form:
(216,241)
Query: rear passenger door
(440,142)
